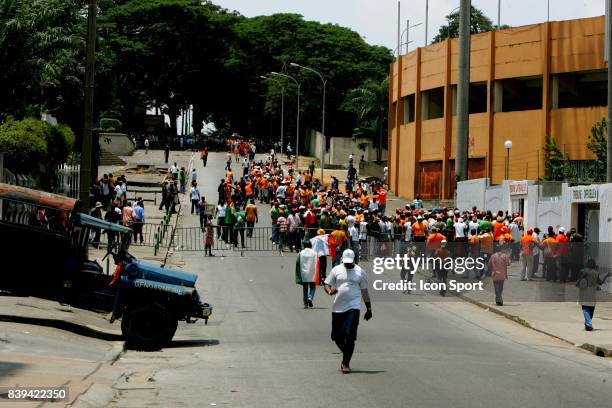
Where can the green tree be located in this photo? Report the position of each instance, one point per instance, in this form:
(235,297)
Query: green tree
(479,23)
(40,47)
(370,103)
(595,170)
(557,164)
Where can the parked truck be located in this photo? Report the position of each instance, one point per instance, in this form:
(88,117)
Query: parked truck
(46,247)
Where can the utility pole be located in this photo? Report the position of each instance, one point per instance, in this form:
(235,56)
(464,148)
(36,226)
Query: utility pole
(609,55)
(87,143)
(498,14)
(426,21)
(463,92)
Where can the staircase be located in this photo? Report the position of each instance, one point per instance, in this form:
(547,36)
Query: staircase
(109,159)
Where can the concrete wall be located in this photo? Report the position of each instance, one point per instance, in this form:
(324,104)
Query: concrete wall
(340,148)
(117,143)
(494,199)
(471,193)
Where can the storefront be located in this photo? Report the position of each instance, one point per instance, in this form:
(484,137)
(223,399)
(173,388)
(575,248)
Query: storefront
(585,209)
(518,196)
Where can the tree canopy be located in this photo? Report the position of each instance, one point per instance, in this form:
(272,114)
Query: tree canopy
(479,23)
(172,54)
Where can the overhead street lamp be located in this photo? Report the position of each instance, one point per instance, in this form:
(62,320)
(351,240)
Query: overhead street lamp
(324,144)
(508,146)
(297,147)
(266,78)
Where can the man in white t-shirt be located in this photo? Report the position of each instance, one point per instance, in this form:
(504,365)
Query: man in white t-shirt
(350,284)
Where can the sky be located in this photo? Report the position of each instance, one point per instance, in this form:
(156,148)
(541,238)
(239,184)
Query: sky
(376,20)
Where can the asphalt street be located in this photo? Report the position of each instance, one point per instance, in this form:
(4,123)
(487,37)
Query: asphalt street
(262,349)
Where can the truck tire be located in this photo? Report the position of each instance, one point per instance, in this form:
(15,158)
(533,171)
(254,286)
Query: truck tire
(147,328)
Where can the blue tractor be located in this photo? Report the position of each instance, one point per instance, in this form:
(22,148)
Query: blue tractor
(49,245)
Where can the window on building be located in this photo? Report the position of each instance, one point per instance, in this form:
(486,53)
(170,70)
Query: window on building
(432,103)
(409,108)
(518,94)
(478,98)
(579,89)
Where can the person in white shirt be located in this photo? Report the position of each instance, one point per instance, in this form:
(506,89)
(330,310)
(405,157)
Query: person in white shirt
(146,145)
(307,263)
(408,231)
(349,283)
(353,232)
(194,176)
(194,196)
(221,220)
(473,226)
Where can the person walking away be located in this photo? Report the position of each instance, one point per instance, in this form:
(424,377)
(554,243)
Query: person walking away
(294,223)
(209,236)
(349,283)
(576,255)
(251,217)
(204,156)
(549,246)
(202,212)
(320,244)
(536,252)
(311,168)
(306,273)
(194,196)
(498,267)
(127,215)
(139,219)
(221,220)
(283,228)
(355,245)
(486,249)
(239,226)
(527,244)
(146,145)
(562,258)
(441,253)
(587,284)
(182,180)
(166,153)
(97,213)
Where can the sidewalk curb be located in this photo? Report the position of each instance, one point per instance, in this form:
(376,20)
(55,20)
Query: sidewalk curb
(597,350)
(76,328)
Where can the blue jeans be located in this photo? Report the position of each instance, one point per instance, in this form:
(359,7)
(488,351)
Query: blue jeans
(588,312)
(274,233)
(308,289)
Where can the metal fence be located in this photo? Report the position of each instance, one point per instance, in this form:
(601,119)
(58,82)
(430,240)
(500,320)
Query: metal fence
(68,177)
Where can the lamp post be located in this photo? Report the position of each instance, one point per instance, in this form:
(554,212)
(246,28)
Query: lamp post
(508,146)
(265,78)
(297,131)
(324,144)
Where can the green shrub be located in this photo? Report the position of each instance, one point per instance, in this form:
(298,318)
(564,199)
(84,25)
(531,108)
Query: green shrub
(29,143)
(110,125)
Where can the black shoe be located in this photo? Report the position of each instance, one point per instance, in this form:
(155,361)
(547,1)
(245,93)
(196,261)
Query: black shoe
(588,328)
(499,303)
(305,306)
(310,303)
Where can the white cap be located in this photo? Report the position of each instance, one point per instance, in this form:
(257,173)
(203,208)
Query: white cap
(348,256)
(561,229)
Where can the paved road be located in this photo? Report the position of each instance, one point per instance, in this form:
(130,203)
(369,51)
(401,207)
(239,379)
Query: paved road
(35,356)
(262,349)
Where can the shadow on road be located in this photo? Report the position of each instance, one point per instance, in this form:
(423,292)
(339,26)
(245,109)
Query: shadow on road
(193,343)
(367,371)
(8,369)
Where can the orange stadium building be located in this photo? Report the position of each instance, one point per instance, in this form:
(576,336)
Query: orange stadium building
(525,83)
